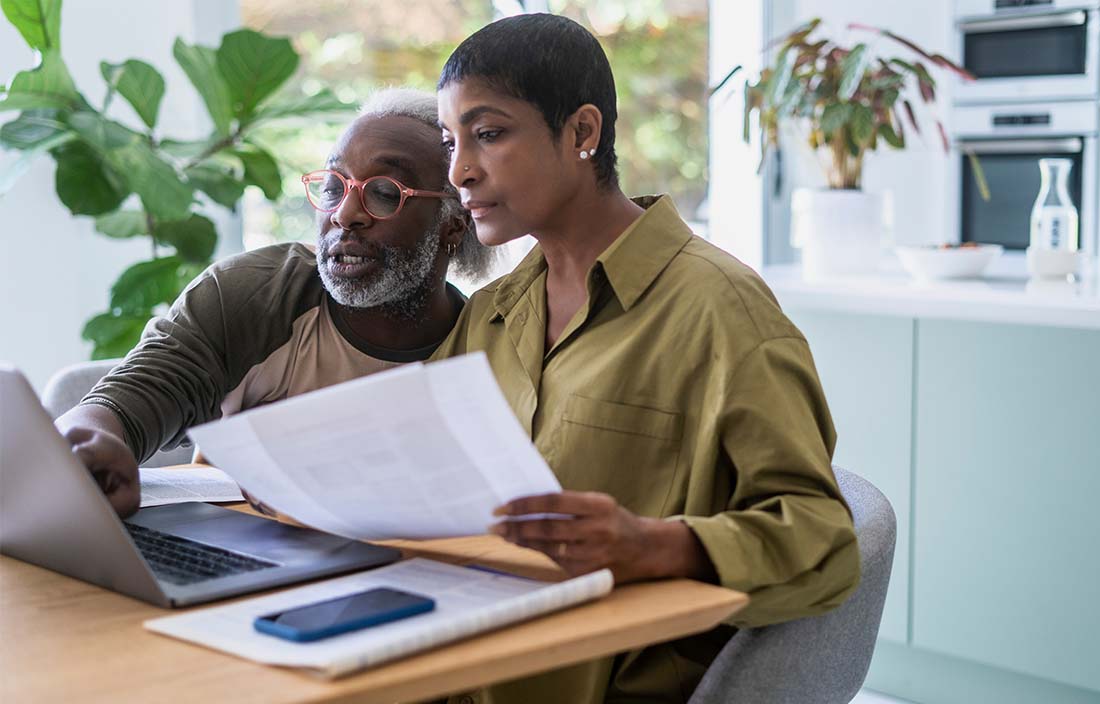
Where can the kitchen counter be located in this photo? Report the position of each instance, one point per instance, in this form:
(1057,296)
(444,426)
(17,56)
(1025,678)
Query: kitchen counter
(1004,295)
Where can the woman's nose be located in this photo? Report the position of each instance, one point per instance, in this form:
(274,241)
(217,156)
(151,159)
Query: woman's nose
(463,171)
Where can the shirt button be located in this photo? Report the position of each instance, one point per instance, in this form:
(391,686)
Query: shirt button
(522,317)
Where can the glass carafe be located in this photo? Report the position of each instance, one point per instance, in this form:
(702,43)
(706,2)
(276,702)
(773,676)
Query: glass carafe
(1054,217)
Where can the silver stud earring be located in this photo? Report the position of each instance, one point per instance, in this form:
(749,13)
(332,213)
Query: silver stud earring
(584,154)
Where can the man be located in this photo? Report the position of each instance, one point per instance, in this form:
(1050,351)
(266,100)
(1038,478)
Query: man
(283,320)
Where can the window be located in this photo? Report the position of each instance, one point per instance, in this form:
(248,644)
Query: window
(658,50)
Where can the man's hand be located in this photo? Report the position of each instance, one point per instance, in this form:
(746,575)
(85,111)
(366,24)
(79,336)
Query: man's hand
(112,465)
(601,533)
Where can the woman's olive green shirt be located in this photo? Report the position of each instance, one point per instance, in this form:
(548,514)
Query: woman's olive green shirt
(681,389)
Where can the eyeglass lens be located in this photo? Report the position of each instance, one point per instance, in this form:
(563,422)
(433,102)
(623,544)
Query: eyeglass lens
(381,196)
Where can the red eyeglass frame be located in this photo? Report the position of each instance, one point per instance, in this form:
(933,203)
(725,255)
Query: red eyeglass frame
(351,184)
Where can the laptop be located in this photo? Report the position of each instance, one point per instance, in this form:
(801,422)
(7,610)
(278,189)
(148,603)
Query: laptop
(53,514)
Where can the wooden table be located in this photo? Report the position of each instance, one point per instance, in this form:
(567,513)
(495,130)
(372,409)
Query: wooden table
(64,640)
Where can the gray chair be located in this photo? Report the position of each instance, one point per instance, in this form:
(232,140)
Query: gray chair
(821,659)
(67,386)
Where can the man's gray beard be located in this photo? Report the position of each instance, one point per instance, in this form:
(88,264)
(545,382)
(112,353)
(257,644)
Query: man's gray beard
(401,289)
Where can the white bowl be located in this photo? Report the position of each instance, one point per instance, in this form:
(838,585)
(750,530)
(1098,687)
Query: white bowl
(928,263)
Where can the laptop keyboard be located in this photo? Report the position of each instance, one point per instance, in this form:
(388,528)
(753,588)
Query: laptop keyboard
(182,561)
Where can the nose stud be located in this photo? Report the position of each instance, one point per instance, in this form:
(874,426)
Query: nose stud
(466,167)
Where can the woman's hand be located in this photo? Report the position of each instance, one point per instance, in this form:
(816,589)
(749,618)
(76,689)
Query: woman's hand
(596,532)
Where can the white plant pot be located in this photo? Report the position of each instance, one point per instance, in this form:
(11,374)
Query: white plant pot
(839,232)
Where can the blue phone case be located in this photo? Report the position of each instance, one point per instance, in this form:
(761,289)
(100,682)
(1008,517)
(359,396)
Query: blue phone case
(265,625)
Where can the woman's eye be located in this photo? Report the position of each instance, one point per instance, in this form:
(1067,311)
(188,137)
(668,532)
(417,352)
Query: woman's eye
(488,135)
(449,145)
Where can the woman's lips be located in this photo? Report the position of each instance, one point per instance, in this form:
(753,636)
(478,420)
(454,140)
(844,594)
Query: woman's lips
(479,208)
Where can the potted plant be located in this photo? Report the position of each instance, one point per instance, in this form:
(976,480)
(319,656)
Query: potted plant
(846,101)
(134,180)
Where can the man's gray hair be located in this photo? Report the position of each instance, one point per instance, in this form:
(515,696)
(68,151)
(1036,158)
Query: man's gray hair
(473,259)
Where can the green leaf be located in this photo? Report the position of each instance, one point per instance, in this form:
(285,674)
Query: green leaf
(852,68)
(31,128)
(39,21)
(123,224)
(324,103)
(892,138)
(163,191)
(49,85)
(200,63)
(181,149)
(254,66)
(222,185)
(140,84)
(784,64)
(115,334)
(193,238)
(862,124)
(835,116)
(83,182)
(261,170)
(146,285)
(14,170)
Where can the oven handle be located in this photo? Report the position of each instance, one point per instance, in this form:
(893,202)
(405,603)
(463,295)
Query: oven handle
(1065,19)
(1067,145)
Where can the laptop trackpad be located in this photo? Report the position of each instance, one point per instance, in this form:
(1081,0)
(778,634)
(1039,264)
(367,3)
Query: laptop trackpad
(240,532)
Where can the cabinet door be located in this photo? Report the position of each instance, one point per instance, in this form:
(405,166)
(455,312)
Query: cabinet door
(1007,480)
(865,365)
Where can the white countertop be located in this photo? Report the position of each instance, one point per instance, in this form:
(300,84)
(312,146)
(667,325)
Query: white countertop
(1004,295)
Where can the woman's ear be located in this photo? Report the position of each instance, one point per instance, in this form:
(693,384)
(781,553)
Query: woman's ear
(586,123)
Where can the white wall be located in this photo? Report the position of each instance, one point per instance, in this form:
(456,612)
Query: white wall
(55,270)
(734,199)
(916,177)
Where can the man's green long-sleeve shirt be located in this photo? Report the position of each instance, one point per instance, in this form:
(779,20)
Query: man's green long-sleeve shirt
(682,390)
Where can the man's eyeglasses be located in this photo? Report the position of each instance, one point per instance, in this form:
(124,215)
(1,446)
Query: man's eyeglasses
(382,197)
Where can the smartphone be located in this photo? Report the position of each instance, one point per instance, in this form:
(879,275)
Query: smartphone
(343,614)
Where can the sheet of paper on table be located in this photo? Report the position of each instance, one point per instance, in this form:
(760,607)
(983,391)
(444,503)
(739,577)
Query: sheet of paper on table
(174,486)
(468,600)
(420,451)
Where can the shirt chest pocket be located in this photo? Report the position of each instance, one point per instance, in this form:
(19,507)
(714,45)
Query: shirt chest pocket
(626,450)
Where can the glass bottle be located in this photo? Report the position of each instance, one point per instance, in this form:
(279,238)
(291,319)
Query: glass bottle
(1054,217)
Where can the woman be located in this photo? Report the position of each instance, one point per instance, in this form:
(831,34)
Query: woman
(656,374)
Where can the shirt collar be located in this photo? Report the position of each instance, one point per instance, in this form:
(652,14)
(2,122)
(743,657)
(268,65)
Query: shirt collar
(631,263)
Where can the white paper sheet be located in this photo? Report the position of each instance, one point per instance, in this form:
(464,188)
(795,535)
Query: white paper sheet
(414,452)
(468,601)
(176,486)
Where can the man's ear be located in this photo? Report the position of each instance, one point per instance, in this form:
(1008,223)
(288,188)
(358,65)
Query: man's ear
(454,229)
(586,123)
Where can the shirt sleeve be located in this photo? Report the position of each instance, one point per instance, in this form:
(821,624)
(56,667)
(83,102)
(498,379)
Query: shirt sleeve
(177,375)
(786,537)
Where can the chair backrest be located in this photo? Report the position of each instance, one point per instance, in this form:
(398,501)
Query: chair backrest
(68,386)
(821,659)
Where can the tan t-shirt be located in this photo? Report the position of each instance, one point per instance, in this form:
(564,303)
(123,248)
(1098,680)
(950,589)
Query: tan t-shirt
(252,329)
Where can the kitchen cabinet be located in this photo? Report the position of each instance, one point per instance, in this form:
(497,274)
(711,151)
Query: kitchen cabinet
(866,366)
(1006,535)
(985,437)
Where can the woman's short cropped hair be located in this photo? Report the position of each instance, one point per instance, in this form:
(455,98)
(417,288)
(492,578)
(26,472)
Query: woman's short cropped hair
(549,61)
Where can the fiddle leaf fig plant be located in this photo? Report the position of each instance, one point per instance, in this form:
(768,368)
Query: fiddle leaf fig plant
(136,181)
(847,100)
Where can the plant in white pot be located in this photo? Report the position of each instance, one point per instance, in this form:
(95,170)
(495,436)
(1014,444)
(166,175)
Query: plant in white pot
(846,101)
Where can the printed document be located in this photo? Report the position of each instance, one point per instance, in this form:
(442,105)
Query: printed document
(468,600)
(175,486)
(420,451)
